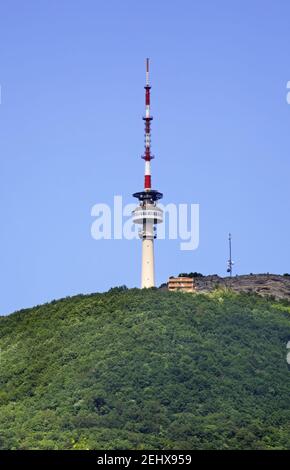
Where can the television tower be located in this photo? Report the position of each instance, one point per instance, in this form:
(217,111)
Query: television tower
(147,213)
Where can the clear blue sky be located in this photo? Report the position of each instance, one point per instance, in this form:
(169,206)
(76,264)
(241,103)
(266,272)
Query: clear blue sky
(71,135)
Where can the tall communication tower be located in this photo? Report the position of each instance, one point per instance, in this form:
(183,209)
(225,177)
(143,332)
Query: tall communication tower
(147,214)
(230,261)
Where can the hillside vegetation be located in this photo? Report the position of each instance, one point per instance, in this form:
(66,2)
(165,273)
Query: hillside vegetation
(151,369)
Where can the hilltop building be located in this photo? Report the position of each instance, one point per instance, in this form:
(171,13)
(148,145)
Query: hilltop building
(183,284)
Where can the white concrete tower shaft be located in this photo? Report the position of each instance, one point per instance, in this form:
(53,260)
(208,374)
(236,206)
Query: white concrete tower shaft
(147,214)
(148,268)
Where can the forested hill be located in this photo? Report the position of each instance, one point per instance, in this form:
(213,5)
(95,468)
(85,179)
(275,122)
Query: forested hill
(150,369)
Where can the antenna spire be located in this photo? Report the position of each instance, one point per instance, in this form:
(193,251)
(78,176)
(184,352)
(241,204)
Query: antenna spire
(147,153)
(147,72)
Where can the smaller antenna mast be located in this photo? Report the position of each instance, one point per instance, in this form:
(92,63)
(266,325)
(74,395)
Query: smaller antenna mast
(230,261)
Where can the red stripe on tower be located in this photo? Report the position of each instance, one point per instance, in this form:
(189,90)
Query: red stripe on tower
(147,182)
(147,95)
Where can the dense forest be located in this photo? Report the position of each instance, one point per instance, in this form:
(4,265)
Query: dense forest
(146,369)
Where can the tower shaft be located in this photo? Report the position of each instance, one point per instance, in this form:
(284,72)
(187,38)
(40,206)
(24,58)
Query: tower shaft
(148,271)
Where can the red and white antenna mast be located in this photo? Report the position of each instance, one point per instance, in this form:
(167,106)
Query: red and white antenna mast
(147,154)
